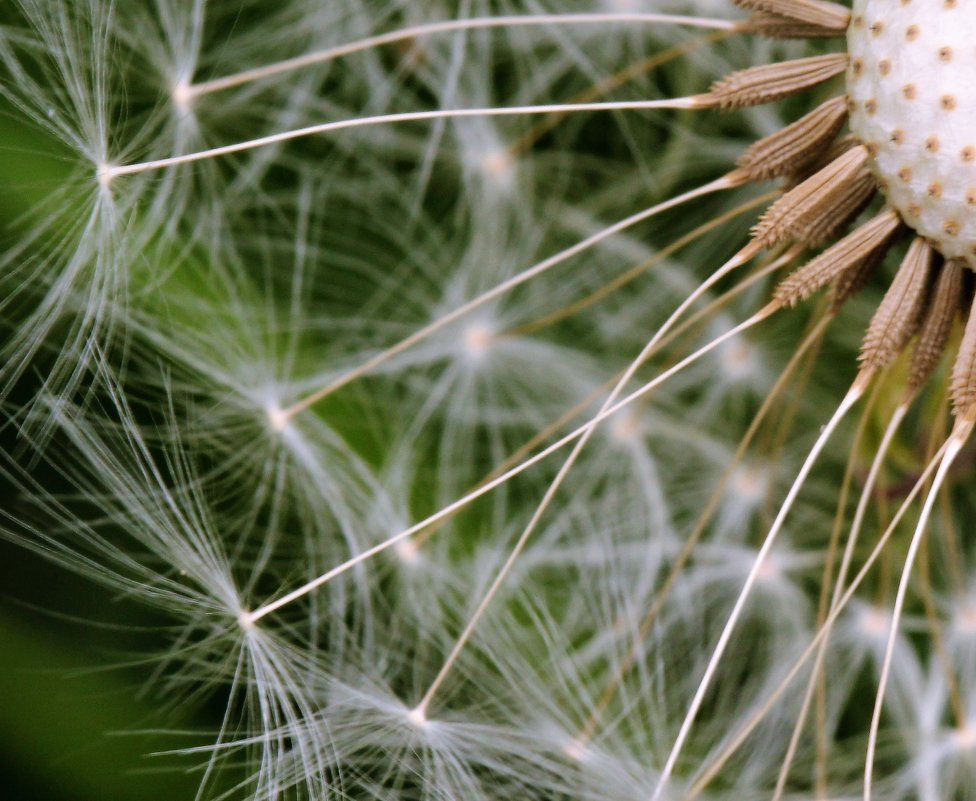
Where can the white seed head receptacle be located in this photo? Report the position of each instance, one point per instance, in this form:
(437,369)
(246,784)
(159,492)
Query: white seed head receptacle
(912,90)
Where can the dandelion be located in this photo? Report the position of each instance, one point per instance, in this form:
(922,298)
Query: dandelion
(376,355)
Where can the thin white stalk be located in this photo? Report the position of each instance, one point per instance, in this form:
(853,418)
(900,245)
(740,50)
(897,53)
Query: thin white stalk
(725,182)
(862,504)
(736,261)
(955,444)
(252,617)
(188,92)
(856,582)
(852,396)
(107,172)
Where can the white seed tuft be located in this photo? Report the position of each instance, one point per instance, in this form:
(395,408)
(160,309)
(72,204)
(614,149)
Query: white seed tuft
(478,338)
(277,418)
(182,95)
(104,174)
(964,738)
(576,750)
(246,621)
(408,551)
(417,717)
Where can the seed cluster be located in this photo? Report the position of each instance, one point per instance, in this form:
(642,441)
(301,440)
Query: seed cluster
(911,104)
(912,97)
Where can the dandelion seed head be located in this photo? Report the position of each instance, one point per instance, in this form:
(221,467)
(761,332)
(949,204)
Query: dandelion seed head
(964,737)
(749,484)
(912,88)
(278,418)
(739,360)
(498,164)
(625,426)
(965,617)
(771,568)
(874,621)
(489,160)
(408,551)
(501,384)
(104,174)
(246,621)
(417,717)
(967,620)
(182,95)
(577,750)
(478,338)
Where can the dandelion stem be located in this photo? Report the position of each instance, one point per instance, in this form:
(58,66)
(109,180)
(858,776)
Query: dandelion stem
(315,583)
(191,91)
(853,394)
(954,445)
(936,631)
(108,172)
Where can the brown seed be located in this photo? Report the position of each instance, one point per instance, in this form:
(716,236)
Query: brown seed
(777,27)
(963,386)
(815,12)
(796,146)
(847,254)
(770,82)
(937,324)
(820,190)
(899,313)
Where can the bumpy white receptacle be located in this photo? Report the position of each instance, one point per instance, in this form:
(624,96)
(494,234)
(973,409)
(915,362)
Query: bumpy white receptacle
(912,89)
